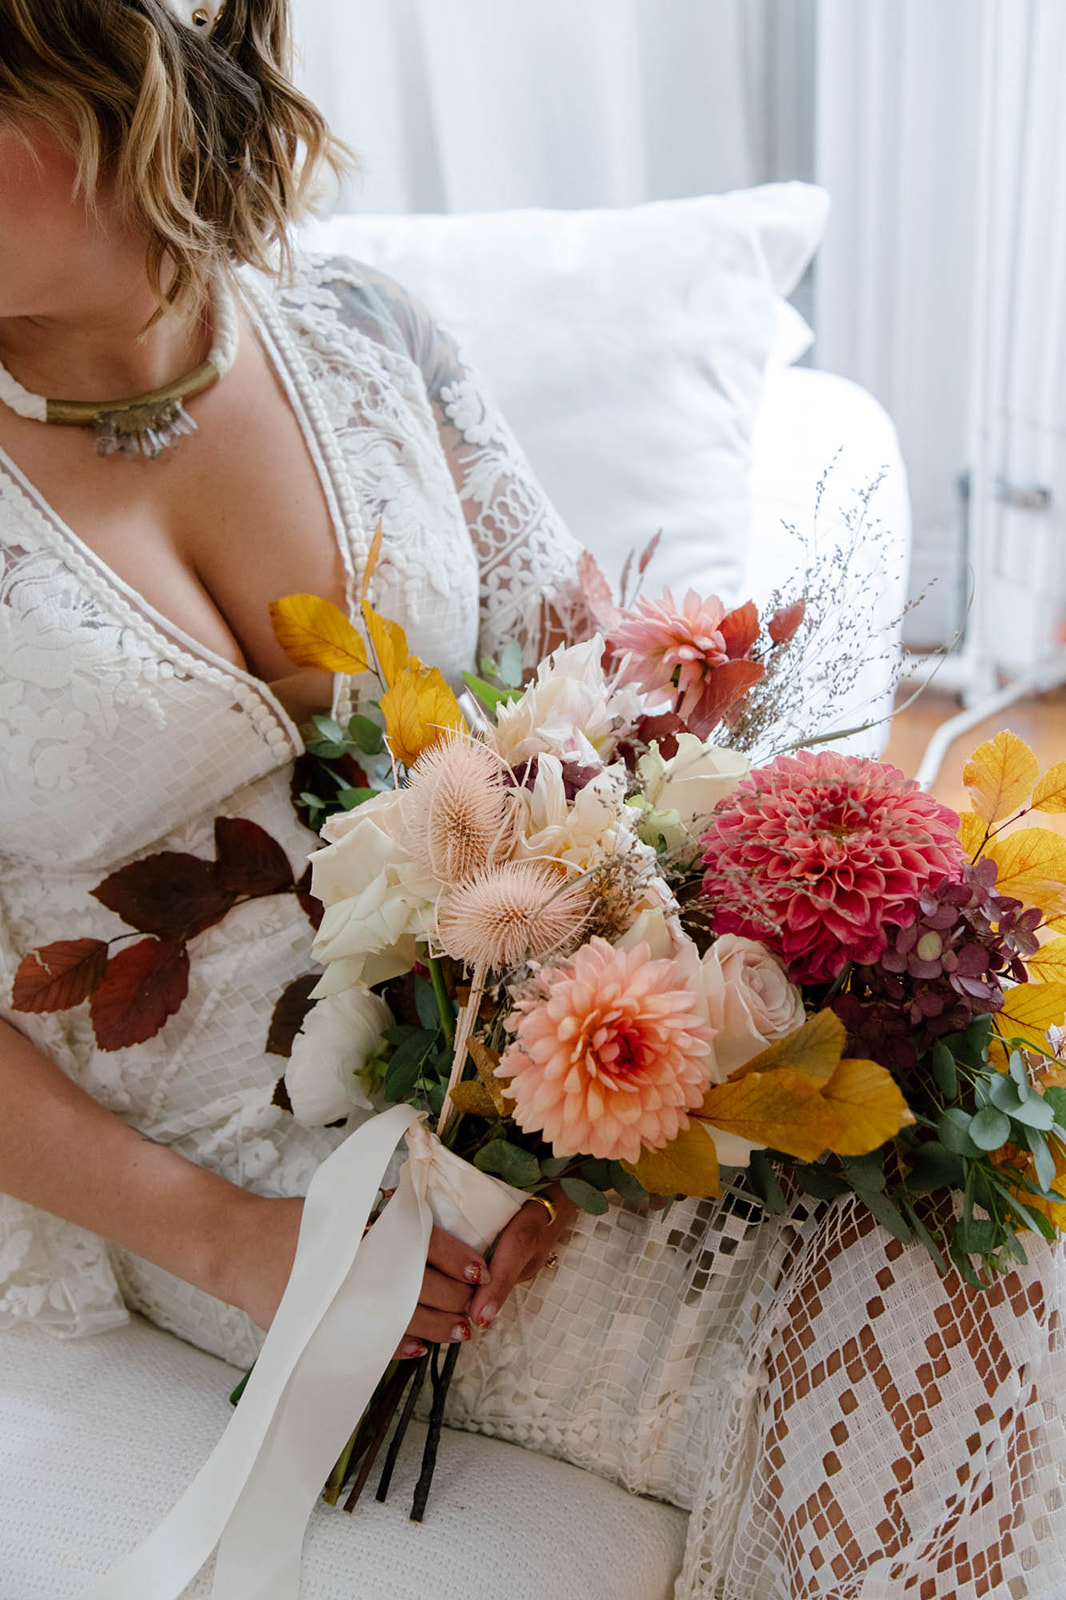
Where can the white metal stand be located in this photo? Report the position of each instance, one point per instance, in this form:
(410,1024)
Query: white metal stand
(1045,676)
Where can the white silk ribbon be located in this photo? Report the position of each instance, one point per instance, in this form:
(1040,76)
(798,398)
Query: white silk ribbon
(345,1310)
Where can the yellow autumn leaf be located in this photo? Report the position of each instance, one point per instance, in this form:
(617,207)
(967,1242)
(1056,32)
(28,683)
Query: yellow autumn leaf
(315,633)
(471,1098)
(1048,965)
(1050,792)
(854,1110)
(1054,924)
(1029,1010)
(873,1107)
(390,644)
(419,710)
(1032,867)
(1010,1155)
(1000,776)
(371,562)
(688,1165)
(814,1049)
(972,833)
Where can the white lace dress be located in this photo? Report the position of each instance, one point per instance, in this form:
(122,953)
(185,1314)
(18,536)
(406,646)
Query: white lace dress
(840,1422)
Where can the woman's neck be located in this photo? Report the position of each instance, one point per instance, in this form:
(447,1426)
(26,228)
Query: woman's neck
(95,346)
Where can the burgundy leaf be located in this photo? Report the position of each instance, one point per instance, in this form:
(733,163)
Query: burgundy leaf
(647,553)
(783,624)
(596,592)
(59,975)
(280,1097)
(250,862)
(143,986)
(740,629)
(664,729)
(289,1013)
(726,685)
(312,907)
(171,894)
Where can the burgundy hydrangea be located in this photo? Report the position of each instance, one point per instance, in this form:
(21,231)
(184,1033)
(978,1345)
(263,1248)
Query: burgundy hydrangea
(820,855)
(943,970)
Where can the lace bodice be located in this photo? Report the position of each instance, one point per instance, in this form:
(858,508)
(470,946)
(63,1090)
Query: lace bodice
(842,1424)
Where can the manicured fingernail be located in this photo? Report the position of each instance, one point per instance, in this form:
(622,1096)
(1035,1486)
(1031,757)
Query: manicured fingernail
(474,1273)
(411,1349)
(485,1316)
(460,1331)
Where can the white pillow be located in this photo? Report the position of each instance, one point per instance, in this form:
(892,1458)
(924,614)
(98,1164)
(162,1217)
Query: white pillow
(626,348)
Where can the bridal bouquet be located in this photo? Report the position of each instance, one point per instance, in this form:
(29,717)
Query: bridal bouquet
(576,928)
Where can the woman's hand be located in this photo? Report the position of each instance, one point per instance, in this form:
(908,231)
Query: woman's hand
(442,1315)
(521,1251)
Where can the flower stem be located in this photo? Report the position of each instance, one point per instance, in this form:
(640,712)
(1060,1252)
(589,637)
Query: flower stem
(441,1381)
(444,1004)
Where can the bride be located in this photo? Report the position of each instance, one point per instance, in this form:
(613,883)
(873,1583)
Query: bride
(839,1420)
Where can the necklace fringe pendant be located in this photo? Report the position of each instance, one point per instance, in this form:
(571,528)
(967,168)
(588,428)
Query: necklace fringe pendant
(142,430)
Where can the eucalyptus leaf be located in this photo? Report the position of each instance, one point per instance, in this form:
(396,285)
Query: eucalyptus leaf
(551,1166)
(1002,1091)
(978,1236)
(1035,1113)
(490,698)
(945,1071)
(1019,1074)
(509,1162)
(887,1214)
(585,1196)
(925,1238)
(1056,1099)
(989,1128)
(763,1181)
(598,1173)
(934,1168)
(1043,1160)
(963,1264)
(953,1127)
(820,1182)
(366,735)
(865,1173)
(623,1183)
(509,670)
(352,797)
(329,729)
(426,1003)
(327,749)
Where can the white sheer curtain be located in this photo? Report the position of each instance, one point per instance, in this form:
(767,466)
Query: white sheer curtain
(471,105)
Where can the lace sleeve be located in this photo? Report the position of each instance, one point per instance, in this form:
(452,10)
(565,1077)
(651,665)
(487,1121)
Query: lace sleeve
(526,557)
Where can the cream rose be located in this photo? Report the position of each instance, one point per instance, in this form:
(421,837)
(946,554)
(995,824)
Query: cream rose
(683,791)
(332,1047)
(378,900)
(748,998)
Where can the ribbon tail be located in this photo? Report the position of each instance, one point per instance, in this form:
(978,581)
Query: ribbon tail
(336,1210)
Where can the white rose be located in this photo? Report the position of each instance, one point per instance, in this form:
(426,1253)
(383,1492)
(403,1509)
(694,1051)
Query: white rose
(659,931)
(684,790)
(337,1036)
(378,900)
(748,998)
(569,710)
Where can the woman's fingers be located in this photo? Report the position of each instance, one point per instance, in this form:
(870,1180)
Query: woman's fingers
(439,1327)
(444,1294)
(456,1260)
(521,1250)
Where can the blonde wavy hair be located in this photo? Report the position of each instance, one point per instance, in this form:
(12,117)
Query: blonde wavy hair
(206,141)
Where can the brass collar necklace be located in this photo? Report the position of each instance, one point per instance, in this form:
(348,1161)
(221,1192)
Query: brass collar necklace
(147,424)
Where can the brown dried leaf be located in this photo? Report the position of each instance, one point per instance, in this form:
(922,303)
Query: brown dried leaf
(250,862)
(289,1013)
(740,630)
(172,894)
(143,986)
(726,685)
(59,975)
(472,1099)
(785,622)
(486,1061)
(644,560)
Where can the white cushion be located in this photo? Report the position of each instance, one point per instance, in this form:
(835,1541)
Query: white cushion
(626,348)
(99,1436)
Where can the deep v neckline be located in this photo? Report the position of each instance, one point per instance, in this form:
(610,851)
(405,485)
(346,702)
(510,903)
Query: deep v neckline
(287,364)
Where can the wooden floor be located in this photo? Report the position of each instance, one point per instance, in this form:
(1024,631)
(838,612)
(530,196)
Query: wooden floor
(1040,721)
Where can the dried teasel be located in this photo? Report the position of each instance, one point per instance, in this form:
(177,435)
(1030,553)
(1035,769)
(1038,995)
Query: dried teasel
(460,817)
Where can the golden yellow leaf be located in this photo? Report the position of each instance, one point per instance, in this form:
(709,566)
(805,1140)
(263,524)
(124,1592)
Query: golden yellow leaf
(972,833)
(1032,867)
(371,563)
(1054,924)
(315,633)
(1009,1155)
(1029,1010)
(390,644)
(852,1111)
(1049,963)
(874,1108)
(419,710)
(814,1049)
(688,1165)
(486,1061)
(1000,776)
(471,1098)
(1050,792)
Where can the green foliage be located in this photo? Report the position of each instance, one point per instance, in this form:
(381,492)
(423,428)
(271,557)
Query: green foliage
(585,1195)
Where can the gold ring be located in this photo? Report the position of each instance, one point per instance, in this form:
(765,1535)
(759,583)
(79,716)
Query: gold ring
(542,1200)
(552,1262)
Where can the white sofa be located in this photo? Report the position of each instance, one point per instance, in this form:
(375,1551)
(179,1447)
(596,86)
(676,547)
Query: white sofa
(99,1436)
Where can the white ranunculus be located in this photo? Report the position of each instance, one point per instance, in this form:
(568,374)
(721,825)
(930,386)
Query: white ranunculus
(378,900)
(596,823)
(747,998)
(684,790)
(569,710)
(332,1047)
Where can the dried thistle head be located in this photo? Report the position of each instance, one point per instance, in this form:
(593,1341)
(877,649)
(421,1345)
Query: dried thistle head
(522,910)
(459,816)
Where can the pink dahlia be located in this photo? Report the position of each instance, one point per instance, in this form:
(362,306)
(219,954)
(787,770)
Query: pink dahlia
(609,1054)
(816,854)
(665,639)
